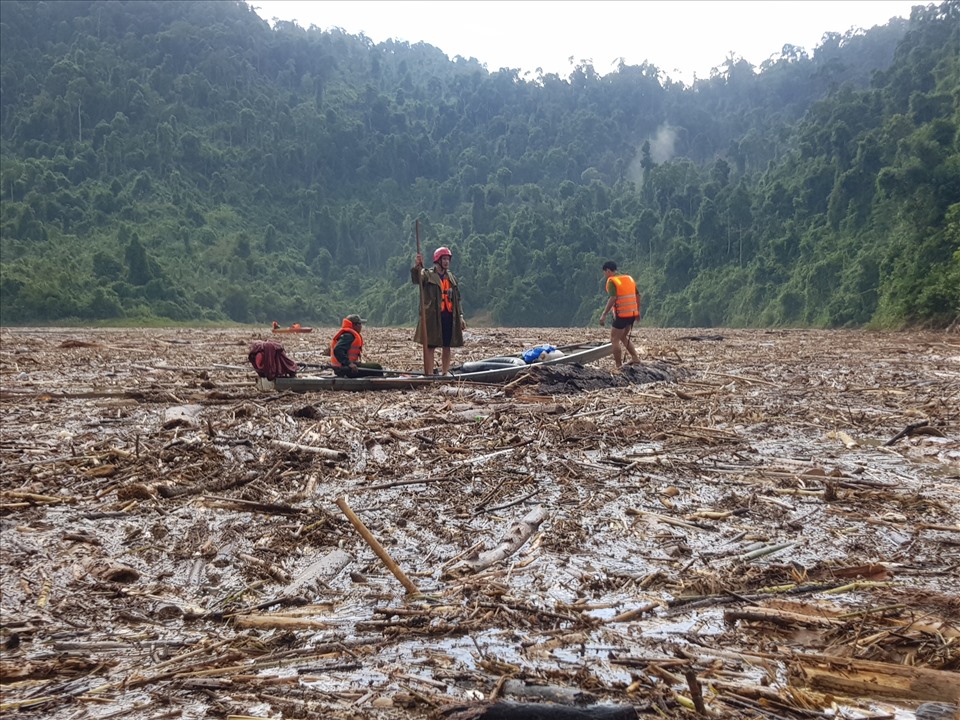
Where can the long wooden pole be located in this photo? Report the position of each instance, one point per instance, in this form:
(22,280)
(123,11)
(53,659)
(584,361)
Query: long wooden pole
(377,547)
(427,370)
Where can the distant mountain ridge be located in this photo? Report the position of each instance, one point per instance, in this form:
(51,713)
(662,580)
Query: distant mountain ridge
(182,161)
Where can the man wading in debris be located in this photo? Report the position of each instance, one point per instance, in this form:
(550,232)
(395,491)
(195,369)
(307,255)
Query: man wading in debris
(624,300)
(346,349)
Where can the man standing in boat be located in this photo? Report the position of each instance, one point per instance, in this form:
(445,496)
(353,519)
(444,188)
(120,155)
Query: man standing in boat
(624,300)
(346,349)
(442,311)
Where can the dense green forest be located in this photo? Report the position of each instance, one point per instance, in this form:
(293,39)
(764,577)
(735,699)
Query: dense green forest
(186,161)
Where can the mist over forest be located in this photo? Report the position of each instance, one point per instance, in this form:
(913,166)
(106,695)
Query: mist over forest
(186,162)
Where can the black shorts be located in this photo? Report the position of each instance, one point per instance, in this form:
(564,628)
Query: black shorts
(446,328)
(619,323)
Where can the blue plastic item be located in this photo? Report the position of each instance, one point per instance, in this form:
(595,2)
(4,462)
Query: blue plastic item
(534,354)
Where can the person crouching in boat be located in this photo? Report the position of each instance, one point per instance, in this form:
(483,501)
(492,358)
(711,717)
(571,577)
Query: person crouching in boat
(346,349)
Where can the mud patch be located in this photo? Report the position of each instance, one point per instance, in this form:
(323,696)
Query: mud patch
(569,379)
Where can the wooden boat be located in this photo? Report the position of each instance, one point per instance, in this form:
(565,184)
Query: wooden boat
(496,370)
(295,328)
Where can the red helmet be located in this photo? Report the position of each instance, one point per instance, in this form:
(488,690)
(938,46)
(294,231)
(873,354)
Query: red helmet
(441,252)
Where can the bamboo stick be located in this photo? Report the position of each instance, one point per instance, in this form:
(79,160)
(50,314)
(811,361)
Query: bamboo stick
(764,551)
(274,621)
(427,368)
(322,452)
(377,547)
(635,613)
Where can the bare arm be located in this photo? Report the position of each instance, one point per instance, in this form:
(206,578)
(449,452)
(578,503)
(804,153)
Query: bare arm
(611,301)
(606,310)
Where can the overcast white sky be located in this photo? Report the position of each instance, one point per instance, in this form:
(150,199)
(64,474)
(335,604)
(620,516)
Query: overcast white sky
(681,37)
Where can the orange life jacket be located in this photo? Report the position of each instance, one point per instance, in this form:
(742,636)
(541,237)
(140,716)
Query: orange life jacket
(356,347)
(626,305)
(446,295)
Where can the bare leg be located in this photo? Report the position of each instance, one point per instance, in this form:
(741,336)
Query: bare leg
(445,361)
(628,343)
(428,361)
(615,337)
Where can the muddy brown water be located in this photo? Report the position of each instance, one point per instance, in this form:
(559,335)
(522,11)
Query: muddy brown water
(739,521)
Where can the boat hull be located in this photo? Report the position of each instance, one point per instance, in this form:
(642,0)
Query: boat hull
(572,354)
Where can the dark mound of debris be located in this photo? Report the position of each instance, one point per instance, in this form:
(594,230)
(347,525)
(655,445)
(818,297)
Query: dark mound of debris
(573,378)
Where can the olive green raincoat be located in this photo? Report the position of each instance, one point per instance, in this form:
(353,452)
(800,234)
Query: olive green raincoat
(431,301)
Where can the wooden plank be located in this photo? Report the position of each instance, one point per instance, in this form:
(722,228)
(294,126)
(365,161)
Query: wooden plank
(867,678)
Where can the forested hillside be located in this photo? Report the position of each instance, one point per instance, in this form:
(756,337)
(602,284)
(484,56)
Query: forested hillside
(185,161)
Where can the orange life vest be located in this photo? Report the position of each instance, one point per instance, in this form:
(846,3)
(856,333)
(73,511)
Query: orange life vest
(626,305)
(356,347)
(446,295)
